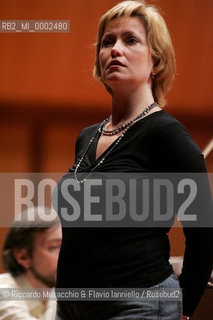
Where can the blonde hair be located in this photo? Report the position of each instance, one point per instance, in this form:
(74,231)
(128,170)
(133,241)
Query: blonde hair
(158,40)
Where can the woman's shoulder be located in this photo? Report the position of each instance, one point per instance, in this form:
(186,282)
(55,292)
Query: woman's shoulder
(91,128)
(165,128)
(173,142)
(88,132)
(163,121)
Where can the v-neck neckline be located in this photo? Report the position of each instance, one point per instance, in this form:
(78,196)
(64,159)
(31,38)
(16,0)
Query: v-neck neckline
(93,160)
(104,152)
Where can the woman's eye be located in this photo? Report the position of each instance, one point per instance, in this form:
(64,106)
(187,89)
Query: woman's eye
(132,40)
(106,43)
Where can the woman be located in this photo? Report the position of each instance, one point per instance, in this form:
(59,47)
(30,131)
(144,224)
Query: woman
(135,62)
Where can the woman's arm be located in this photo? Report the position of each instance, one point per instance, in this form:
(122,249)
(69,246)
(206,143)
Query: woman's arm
(179,153)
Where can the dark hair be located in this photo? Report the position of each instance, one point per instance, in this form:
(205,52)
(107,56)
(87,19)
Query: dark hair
(22,235)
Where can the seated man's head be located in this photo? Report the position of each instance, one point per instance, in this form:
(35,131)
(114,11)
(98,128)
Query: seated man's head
(32,246)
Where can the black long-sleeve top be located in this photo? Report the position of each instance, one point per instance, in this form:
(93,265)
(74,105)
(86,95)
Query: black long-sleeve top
(137,257)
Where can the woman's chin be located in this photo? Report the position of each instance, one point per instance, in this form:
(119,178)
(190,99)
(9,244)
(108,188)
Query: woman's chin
(116,80)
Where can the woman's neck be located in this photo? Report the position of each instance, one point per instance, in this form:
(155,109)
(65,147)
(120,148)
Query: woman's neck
(127,105)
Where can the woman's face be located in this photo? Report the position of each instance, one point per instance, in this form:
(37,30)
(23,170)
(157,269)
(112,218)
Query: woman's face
(124,55)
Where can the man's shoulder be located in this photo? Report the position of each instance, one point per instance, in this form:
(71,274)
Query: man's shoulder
(7,280)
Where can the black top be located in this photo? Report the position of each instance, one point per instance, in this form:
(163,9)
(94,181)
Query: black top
(137,257)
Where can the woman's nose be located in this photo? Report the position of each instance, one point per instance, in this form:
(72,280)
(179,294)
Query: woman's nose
(117,49)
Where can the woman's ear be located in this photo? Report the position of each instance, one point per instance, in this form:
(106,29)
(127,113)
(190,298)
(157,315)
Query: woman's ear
(22,257)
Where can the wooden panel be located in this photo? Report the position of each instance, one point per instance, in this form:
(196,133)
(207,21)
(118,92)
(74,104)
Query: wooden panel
(59,146)
(14,144)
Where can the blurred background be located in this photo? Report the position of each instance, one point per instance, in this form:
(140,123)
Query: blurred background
(48,94)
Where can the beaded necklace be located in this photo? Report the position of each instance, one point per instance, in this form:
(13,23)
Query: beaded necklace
(105,132)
